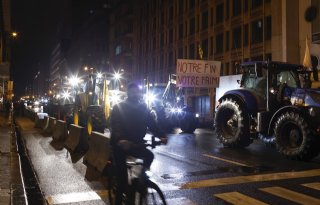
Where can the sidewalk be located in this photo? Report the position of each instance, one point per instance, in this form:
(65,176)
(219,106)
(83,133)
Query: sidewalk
(11,185)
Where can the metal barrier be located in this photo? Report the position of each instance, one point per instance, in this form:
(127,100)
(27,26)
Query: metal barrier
(51,125)
(77,142)
(98,156)
(40,120)
(59,135)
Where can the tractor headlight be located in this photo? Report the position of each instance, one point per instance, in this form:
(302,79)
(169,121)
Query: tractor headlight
(176,110)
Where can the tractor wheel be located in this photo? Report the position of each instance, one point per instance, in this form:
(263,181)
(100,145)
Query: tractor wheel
(95,119)
(232,124)
(188,123)
(293,137)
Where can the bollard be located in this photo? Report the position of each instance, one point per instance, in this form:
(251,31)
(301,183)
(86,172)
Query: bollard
(45,123)
(40,120)
(51,126)
(98,156)
(77,142)
(59,135)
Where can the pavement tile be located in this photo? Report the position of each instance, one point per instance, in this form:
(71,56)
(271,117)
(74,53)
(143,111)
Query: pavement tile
(11,187)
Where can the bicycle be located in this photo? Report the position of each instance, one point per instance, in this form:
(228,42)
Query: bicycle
(142,190)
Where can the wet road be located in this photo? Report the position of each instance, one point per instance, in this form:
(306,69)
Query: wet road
(190,169)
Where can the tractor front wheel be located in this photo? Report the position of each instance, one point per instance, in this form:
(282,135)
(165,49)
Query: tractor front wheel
(232,124)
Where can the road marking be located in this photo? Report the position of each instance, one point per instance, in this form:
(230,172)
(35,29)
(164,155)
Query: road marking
(291,195)
(239,199)
(226,160)
(76,197)
(315,185)
(250,179)
(178,201)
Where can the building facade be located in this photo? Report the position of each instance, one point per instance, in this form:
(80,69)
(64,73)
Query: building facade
(82,42)
(230,31)
(6,86)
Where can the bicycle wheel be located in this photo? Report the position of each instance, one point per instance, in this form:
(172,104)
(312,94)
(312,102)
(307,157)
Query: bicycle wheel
(153,195)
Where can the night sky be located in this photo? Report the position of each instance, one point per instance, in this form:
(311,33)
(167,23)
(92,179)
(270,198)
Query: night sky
(36,22)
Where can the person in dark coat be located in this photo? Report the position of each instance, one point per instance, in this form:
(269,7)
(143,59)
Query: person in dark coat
(130,120)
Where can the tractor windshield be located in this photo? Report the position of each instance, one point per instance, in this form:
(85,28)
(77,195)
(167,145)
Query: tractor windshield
(254,78)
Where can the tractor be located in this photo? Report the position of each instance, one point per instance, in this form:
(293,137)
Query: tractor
(169,109)
(273,102)
(92,107)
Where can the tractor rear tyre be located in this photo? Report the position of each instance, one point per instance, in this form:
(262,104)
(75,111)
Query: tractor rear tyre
(294,138)
(232,124)
(95,119)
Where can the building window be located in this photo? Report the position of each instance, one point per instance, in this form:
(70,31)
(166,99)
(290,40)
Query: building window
(171,13)
(171,36)
(192,26)
(181,6)
(205,20)
(236,38)
(268,28)
(204,46)
(227,8)
(180,52)
(236,7)
(191,51)
(246,6)
(227,40)
(161,40)
(192,4)
(161,61)
(162,18)
(180,31)
(256,32)
(246,35)
(219,13)
(171,58)
(211,17)
(256,3)
(219,43)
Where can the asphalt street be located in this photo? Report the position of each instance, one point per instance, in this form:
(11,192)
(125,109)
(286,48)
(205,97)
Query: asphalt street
(190,169)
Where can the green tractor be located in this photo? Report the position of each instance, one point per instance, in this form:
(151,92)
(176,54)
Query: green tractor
(273,102)
(91,108)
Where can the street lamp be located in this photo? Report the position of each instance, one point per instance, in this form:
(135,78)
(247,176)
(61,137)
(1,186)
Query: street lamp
(14,34)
